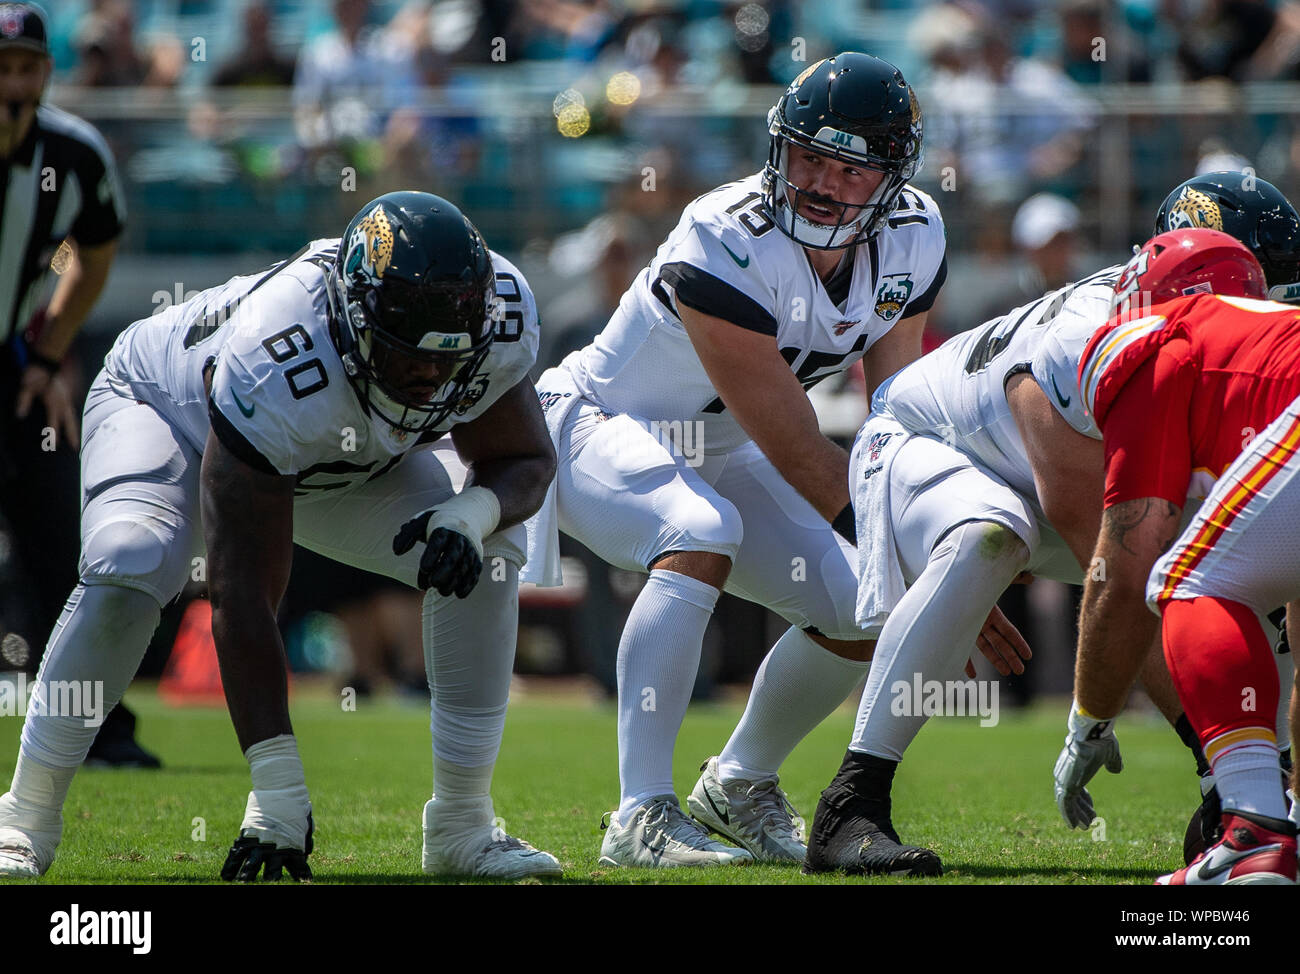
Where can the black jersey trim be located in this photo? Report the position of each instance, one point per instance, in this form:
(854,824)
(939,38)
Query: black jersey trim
(701,291)
(237,443)
(925,301)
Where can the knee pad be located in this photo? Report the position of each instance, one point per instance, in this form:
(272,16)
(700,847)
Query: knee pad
(705,525)
(128,552)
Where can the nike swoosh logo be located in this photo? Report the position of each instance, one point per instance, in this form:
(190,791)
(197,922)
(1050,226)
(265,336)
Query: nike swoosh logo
(1205,873)
(714,805)
(246,410)
(739,263)
(1063,400)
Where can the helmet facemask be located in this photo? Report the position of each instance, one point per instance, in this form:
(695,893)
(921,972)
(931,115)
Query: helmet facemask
(377,359)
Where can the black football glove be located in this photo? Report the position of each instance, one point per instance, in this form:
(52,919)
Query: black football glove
(249,855)
(451,562)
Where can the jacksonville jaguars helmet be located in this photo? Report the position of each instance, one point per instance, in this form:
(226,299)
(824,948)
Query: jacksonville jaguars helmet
(854,108)
(1249,208)
(413,307)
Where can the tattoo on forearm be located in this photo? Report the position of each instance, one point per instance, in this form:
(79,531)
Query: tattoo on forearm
(1124,518)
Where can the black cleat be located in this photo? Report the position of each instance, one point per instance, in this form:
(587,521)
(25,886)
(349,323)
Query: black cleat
(115,745)
(852,832)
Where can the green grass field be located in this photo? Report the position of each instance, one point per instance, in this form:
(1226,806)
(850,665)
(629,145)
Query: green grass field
(981,797)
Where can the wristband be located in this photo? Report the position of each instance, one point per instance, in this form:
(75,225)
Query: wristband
(845,525)
(275,764)
(475,508)
(1085,727)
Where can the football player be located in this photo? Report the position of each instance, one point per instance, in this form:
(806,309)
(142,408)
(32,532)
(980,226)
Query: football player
(949,514)
(1186,385)
(300,405)
(688,449)
(1064,447)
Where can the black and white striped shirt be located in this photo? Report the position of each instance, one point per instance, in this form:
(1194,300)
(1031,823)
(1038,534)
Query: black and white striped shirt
(60,182)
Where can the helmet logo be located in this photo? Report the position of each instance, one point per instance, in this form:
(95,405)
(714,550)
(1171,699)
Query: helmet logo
(1195,209)
(844,140)
(11,21)
(437,341)
(894,291)
(370,249)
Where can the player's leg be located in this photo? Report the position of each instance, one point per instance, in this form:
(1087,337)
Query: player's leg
(139,532)
(469,649)
(1239,558)
(961,536)
(637,504)
(792,562)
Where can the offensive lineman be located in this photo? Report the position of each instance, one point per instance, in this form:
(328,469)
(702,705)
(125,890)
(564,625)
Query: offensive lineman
(948,515)
(688,449)
(298,405)
(1179,389)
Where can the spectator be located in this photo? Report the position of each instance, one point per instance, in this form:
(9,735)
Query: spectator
(1219,38)
(346,81)
(257,64)
(1097,45)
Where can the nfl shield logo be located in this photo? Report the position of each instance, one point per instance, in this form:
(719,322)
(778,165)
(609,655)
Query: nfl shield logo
(876,445)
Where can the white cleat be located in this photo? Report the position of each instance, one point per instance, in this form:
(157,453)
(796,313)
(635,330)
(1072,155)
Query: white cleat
(460,839)
(660,835)
(755,815)
(26,850)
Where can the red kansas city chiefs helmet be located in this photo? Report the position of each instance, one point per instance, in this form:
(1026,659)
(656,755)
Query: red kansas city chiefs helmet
(1188,261)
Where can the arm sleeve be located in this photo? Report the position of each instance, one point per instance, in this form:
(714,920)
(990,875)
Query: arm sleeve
(1146,431)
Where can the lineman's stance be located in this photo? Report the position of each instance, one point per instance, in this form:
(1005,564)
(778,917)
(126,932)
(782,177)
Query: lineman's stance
(296,406)
(948,510)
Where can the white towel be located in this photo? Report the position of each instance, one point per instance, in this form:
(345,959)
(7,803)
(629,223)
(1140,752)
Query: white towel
(558,394)
(880,575)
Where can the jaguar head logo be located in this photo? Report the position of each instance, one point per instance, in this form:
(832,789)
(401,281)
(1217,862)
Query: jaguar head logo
(370,249)
(1195,209)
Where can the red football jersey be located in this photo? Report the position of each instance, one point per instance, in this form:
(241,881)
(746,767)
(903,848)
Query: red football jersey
(1179,393)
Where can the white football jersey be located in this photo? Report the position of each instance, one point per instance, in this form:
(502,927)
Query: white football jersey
(1056,360)
(280,397)
(726,258)
(958,391)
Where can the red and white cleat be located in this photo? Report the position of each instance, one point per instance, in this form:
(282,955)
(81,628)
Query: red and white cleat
(1254,849)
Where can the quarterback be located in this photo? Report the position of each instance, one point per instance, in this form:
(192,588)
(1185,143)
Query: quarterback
(948,515)
(300,405)
(767,286)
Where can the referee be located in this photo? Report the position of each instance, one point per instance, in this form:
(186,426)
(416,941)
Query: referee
(61,205)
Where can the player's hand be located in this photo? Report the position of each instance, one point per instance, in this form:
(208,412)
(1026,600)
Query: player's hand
(1090,744)
(1002,644)
(60,414)
(276,835)
(452,560)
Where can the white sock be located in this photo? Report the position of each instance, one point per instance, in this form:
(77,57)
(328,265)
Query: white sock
(797,686)
(932,631)
(658,658)
(100,637)
(469,651)
(1248,780)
